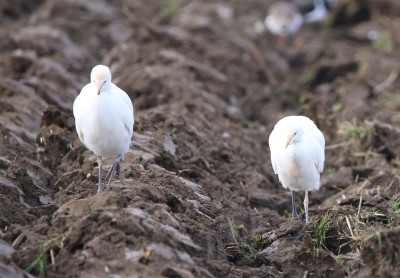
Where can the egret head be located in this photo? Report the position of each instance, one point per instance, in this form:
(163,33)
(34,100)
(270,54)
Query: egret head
(294,134)
(100,76)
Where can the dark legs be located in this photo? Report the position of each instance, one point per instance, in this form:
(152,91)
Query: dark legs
(294,211)
(100,188)
(295,215)
(111,172)
(116,165)
(281,41)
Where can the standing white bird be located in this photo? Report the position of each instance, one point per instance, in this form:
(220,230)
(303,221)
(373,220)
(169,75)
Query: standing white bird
(297,156)
(104,119)
(283,19)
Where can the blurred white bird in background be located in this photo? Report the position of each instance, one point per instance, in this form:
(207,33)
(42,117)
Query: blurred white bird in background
(318,13)
(283,20)
(104,120)
(297,156)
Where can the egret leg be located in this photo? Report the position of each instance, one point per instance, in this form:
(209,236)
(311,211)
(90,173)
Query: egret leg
(297,41)
(306,206)
(115,165)
(100,188)
(281,41)
(119,171)
(294,211)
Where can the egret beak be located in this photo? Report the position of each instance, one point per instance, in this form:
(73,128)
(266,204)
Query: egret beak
(288,140)
(99,85)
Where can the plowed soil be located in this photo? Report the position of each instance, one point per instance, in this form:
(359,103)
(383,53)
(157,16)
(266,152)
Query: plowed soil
(198,197)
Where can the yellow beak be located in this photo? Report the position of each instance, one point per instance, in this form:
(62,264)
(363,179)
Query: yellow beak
(288,140)
(99,85)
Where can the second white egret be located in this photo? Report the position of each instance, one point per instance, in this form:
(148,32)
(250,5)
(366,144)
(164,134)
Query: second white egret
(297,156)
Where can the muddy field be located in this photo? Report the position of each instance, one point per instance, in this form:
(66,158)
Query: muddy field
(199,197)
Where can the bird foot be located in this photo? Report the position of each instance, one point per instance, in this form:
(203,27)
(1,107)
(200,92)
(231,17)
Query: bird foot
(295,216)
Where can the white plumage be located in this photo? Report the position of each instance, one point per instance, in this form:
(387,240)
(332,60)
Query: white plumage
(319,12)
(283,19)
(297,155)
(104,119)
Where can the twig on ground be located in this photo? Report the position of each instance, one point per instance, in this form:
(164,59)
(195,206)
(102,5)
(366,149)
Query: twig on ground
(350,228)
(232,230)
(64,175)
(53,260)
(359,207)
(263,65)
(379,87)
(335,146)
(387,82)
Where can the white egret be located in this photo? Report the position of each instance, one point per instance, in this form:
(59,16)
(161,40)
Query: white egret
(297,156)
(104,119)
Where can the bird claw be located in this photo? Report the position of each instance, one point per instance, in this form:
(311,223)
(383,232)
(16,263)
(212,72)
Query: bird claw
(296,217)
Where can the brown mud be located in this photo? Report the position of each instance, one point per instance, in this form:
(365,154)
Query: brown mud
(199,197)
